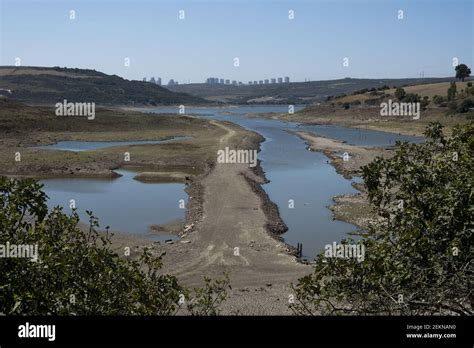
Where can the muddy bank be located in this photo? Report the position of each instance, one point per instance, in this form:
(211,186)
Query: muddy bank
(351,208)
(232,227)
(356,156)
(275,224)
(368,117)
(161,177)
(195,190)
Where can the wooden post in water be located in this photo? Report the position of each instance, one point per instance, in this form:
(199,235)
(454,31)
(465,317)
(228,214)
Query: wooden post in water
(299,250)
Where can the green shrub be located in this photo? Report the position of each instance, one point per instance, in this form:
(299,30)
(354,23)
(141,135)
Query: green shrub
(438,100)
(452,91)
(77,273)
(453,106)
(400,93)
(411,98)
(465,105)
(419,249)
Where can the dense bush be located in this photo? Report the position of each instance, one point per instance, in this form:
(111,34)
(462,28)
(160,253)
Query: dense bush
(400,93)
(465,105)
(411,98)
(77,272)
(452,106)
(452,91)
(439,100)
(419,248)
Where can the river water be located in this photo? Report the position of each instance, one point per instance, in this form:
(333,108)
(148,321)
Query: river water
(124,204)
(302,183)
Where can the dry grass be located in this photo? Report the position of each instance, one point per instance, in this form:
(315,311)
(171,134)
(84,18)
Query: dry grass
(26,71)
(430,90)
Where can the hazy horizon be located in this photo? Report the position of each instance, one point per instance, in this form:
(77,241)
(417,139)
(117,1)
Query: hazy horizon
(312,45)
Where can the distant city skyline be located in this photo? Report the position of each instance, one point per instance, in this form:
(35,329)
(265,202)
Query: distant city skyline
(188,41)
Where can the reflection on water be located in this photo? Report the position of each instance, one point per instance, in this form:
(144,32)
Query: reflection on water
(302,183)
(124,204)
(360,136)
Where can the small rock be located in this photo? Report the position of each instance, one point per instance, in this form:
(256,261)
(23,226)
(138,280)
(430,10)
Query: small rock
(188,227)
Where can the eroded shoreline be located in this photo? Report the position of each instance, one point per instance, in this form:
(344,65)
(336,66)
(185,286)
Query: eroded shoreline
(231,224)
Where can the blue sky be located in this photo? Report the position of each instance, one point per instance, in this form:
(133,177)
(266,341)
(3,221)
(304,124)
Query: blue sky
(268,44)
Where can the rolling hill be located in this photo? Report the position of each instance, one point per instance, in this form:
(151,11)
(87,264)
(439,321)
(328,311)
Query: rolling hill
(41,85)
(294,92)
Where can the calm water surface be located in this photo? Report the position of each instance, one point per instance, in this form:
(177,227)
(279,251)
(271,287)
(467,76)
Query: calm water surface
(302,183)
(124,204)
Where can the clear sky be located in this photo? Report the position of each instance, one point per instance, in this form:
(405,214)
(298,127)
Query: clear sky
(259,32)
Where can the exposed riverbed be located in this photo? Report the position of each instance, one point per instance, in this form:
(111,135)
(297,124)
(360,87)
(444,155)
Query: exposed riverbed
(302,183)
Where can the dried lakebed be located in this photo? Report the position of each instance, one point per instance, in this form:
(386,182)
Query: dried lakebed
(301,183)
(230,209)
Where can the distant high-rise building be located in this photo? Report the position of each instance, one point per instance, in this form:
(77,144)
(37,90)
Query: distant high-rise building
(234,82)
(280,80)
(255,82)
(274,81)
(227,82)
(250,82)
(210,80)
(267,81)
(171,82)
(158,81)
(221,81)
(260,82)
(287,79)
(152,80)
(144,79)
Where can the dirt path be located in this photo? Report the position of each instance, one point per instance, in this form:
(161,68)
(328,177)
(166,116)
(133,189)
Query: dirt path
(231,237)
(230,132)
